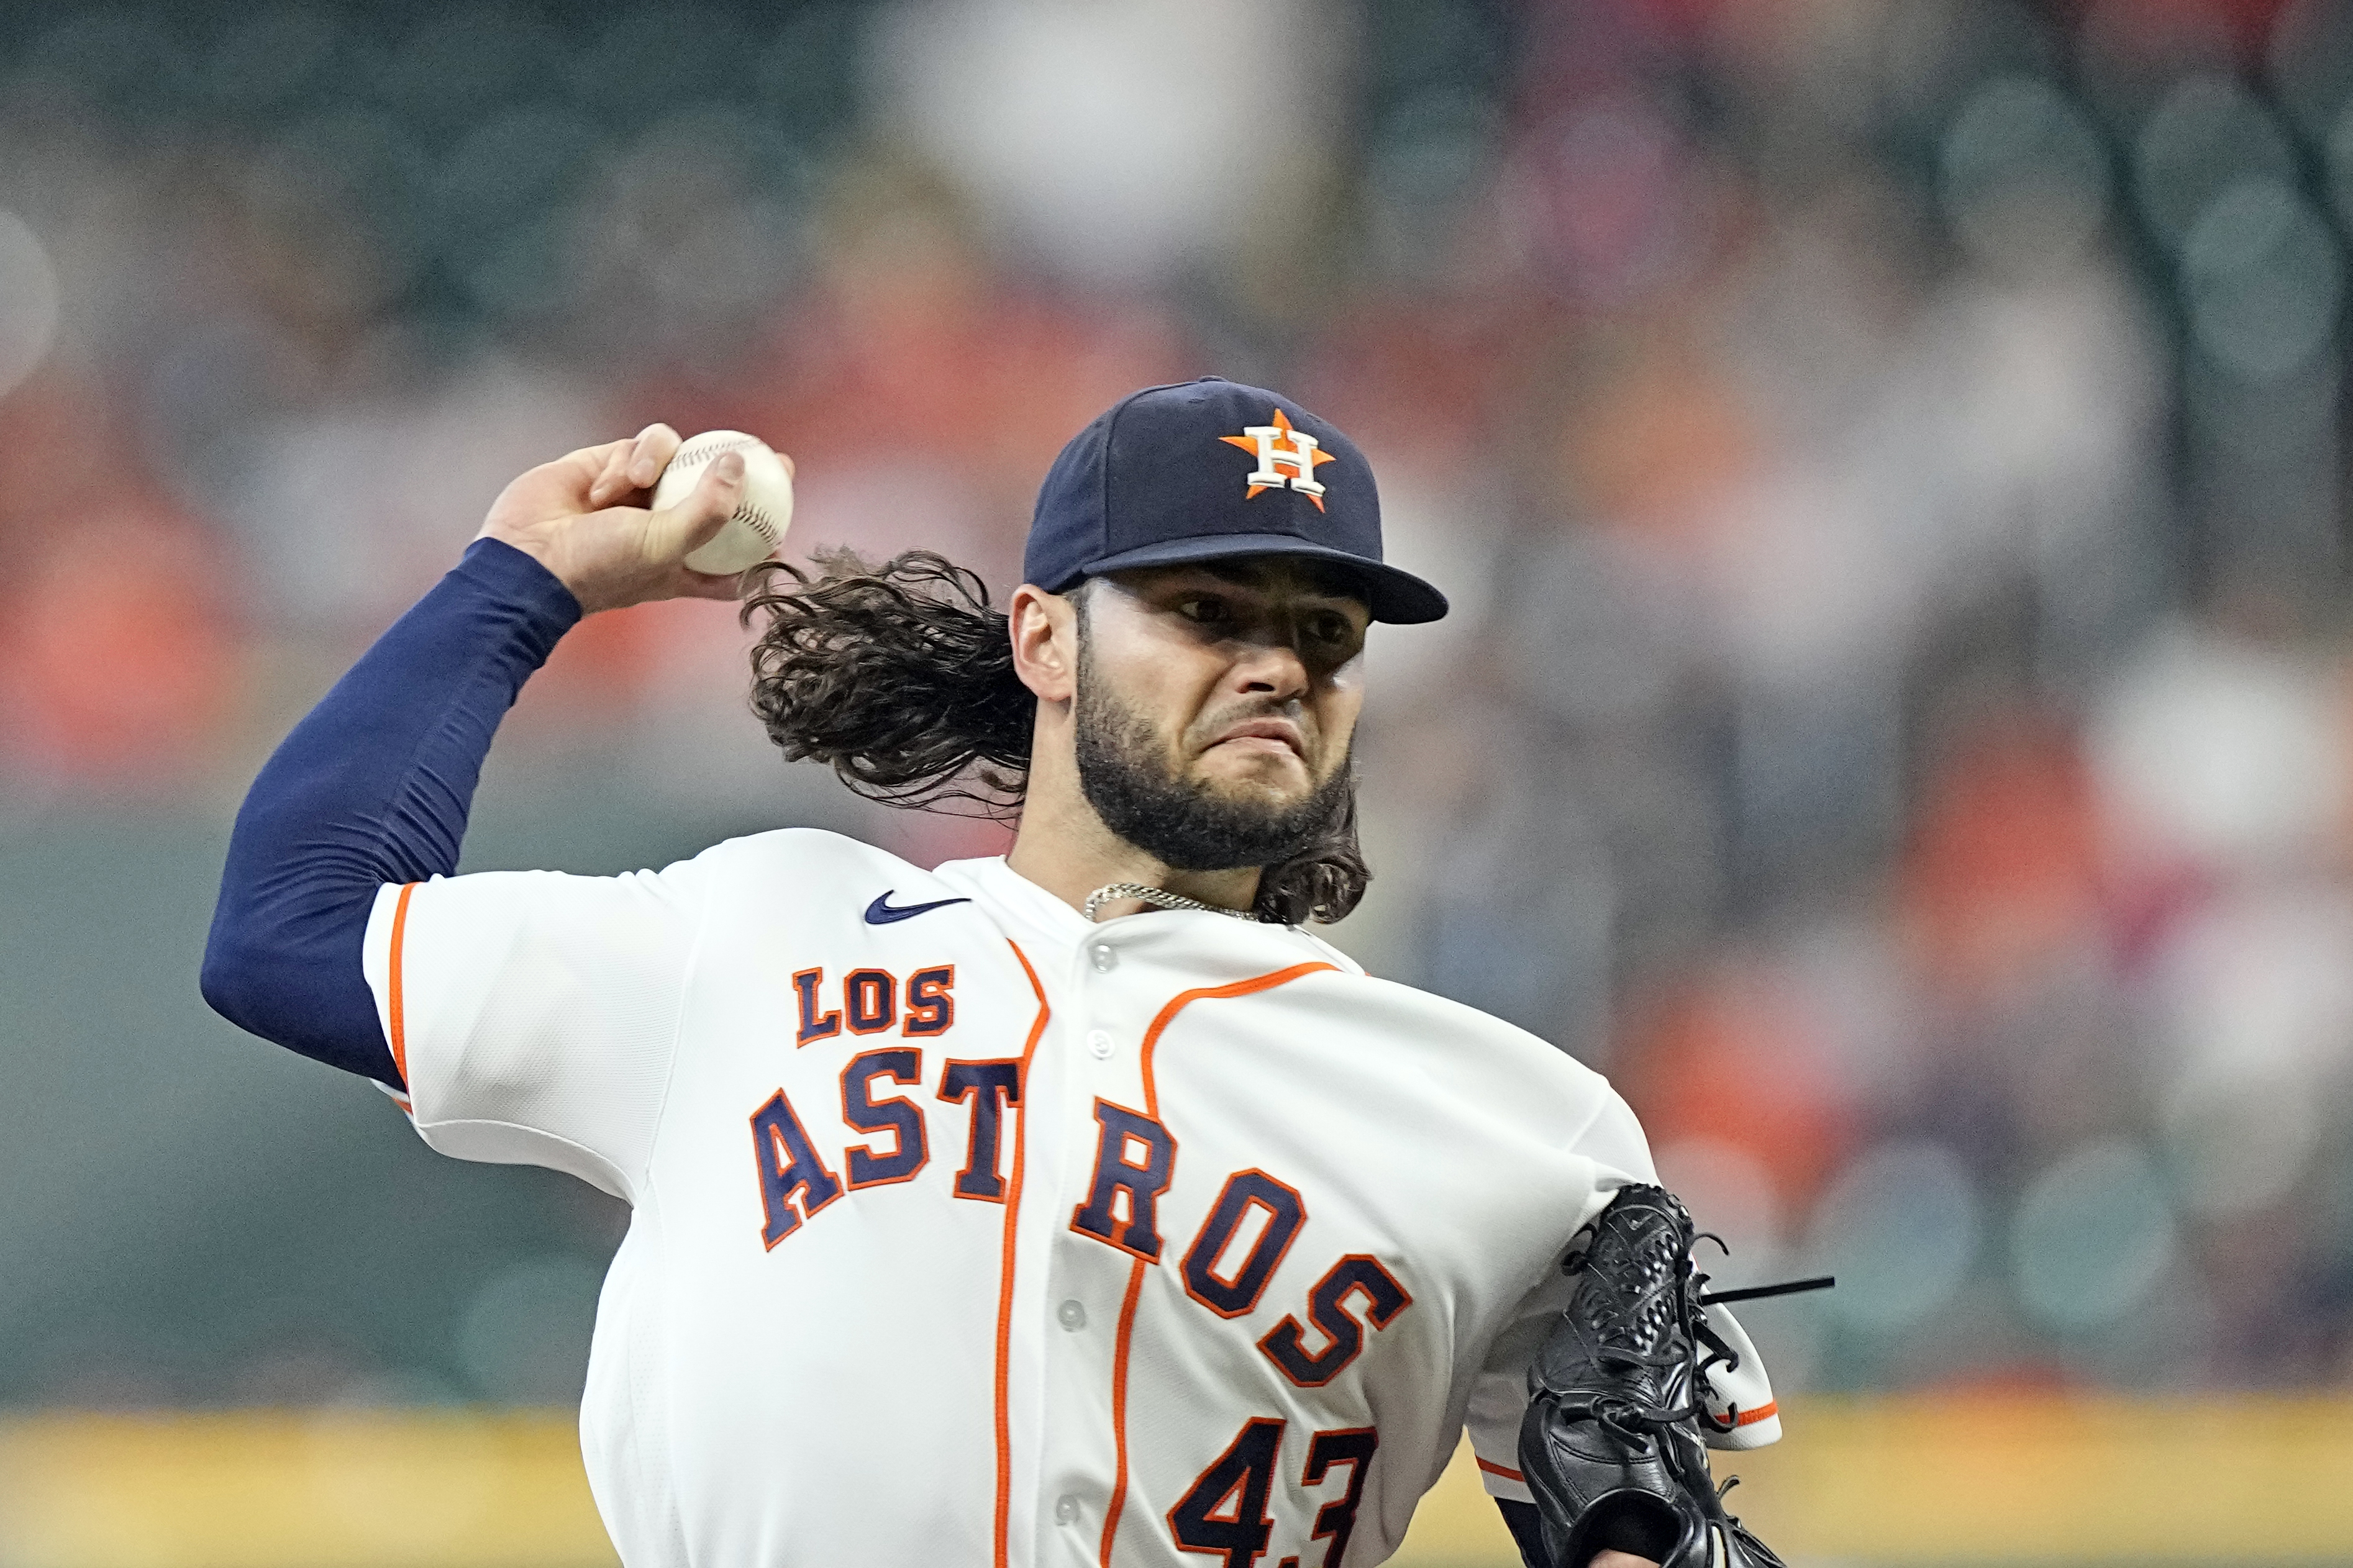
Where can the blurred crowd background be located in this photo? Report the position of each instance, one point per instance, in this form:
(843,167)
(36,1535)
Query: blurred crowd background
(1887,457)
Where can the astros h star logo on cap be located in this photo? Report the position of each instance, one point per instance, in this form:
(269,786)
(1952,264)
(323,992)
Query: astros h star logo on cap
(1285,456)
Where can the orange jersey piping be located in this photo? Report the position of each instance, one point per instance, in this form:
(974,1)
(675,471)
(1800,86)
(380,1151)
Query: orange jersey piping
(1509,1474)
(1167,1014)
(1119,1405)
(1005,1276)
(1177,1004)
(393,1009)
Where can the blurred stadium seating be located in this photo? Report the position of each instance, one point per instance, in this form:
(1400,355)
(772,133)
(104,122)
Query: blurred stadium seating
(1888,458)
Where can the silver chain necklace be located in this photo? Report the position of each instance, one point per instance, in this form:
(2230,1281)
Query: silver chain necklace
(1159,897)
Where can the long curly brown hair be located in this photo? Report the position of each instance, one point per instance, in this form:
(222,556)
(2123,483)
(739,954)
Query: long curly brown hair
(899,676)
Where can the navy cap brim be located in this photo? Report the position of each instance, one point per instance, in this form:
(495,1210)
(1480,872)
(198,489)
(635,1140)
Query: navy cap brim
(1397,598)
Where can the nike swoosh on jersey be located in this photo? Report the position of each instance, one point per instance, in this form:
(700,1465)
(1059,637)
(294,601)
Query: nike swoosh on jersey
(880,912)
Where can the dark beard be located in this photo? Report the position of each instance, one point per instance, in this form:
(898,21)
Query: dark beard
(1182,825)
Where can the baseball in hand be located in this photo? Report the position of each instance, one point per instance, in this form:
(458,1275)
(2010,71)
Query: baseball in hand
(755,530)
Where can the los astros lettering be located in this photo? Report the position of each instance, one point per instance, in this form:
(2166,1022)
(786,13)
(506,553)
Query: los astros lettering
(1135,1162)
(868,1001)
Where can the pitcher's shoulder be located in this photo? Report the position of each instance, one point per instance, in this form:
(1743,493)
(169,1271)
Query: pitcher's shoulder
(806,861)
(1410,1022)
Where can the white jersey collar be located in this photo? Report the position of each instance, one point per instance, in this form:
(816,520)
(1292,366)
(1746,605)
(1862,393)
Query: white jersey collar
(999,884)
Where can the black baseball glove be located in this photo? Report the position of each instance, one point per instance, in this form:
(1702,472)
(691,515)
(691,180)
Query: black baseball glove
(1611,1444)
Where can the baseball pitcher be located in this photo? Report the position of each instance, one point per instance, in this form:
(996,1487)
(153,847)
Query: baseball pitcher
(1075,1206)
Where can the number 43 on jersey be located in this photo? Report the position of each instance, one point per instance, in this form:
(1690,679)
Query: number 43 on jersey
(1224,1514)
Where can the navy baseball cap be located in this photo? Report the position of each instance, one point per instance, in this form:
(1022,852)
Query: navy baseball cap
(1207,470)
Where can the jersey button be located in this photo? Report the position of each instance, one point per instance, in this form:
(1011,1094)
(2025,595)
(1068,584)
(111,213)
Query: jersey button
(1099,1043)
(1066,1509)
(1071,1315)
(1104,956)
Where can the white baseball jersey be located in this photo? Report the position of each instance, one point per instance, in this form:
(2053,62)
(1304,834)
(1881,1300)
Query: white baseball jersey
(966,1232)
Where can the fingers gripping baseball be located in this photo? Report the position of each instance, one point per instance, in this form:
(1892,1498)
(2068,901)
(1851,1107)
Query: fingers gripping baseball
(585,518)
(675,532)
(634,465)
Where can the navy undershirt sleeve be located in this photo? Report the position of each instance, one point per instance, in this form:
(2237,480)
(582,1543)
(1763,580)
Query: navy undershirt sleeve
(374,786)
(1527,1533)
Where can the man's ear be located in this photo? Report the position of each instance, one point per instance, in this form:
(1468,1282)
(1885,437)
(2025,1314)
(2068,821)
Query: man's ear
(1045,632)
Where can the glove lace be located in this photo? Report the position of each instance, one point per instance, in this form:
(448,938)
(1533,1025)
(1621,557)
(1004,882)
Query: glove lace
(1679,1293)
(1625,1416)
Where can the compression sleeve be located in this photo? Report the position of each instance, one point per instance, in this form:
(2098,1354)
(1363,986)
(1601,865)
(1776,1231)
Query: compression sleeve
(373,787)
(1528,1531)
